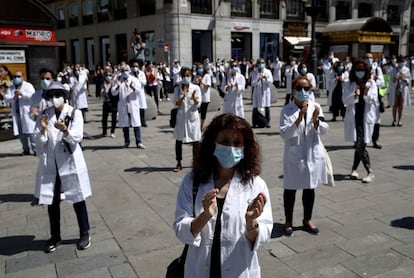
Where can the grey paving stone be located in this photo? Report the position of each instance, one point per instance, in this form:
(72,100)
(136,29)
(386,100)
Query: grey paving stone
(406,249)
(44,271)
(309,242)
(402,272)
(122,271)
(278,249)
(376,263)
(337,271)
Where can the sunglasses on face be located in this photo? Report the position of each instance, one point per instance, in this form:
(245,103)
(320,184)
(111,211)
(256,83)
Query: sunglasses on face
(17,76)
(299,88)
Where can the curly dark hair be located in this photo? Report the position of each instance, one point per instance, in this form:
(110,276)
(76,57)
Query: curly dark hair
(205,163)
(352,76)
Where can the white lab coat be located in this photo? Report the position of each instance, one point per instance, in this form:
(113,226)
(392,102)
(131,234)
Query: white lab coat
(55,159)
(27,91)
(332,82)
(404,86)
(304,163)
(277,70)
(205,91)
(129,101)
(79,90)
(187,128)
(289,76)
(142,79)
(261,88)
(238,255)
(370,110)
(233,99)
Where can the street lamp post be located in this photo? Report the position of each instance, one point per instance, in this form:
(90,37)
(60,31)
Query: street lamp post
(313,12)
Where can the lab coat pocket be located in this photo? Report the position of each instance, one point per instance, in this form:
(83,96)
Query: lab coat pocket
(194,116)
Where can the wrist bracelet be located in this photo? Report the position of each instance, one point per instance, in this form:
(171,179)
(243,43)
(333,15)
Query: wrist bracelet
(255,226)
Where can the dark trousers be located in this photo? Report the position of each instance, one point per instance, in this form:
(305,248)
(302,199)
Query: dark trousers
(142,116)
(267,116)
(287,99)
(376,133)
(54,213)
(137,133)
(179,149)
(153,91)
(106,109)
(308,199)
(361,153)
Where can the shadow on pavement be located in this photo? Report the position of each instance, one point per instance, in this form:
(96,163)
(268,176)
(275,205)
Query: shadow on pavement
(404,167)
(277,230)
(405,222)
(12,245)
(9,154)
(336,148)
(5,198)
(150,169)
(97,148)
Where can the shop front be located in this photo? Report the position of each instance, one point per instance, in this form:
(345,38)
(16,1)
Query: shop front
(355,37)
(27,43)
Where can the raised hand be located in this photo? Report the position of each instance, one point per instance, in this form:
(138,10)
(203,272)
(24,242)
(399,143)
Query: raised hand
(255,208)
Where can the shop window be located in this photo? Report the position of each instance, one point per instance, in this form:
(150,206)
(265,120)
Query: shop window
(73,15)
(295,9)
(364,10)
(90,53)
(343,10)
(242,8)
(105,49)
(104,10)
(120,10)
(323,15)
(146,7)
(87,14)
(60,14)
(393,15)
(75,51)
(269,9)
(201,6)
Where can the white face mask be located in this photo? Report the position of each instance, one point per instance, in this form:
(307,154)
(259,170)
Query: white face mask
(58,101)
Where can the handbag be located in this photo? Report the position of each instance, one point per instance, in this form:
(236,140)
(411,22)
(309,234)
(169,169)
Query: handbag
(173,117)
(176,268)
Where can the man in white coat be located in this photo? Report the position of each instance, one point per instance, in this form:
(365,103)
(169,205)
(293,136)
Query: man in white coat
(291,72)
(140,75)
(277,72)
(261,80)
(233,91)
(19,96)
(78,83)
(129,89)
(62,167)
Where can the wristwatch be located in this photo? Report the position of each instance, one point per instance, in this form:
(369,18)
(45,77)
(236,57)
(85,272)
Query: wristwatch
(256,226)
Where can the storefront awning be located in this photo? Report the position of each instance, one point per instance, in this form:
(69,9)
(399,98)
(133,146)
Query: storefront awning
(296,41)
(360,30)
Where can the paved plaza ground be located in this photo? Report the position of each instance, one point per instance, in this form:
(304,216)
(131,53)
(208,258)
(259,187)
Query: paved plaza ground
(367,230)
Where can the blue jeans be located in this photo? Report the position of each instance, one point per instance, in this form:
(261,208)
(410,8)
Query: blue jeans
(137,133)
(25,138)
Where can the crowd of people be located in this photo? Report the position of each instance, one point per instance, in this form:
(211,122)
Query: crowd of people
(223,209)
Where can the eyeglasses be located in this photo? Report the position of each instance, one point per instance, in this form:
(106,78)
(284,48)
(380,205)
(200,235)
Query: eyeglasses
(17,76)
(299,88)
(46,78)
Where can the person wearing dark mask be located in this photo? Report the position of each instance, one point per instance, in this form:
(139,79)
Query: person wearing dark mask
(261,80)
(231,215)
(304,165)
(19,96)
(360,96)
(336,80)
(58,133)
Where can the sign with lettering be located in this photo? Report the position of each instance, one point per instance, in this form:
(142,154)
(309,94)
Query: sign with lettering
(27,34)
(12,56)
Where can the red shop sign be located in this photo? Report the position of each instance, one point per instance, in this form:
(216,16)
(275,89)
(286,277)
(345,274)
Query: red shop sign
(27,34)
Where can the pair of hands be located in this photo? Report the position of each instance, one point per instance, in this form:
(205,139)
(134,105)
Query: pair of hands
(253,211)
(304,110)
(60,124)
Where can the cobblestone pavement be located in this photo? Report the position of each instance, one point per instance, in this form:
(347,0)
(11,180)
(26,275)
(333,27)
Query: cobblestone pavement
(367,230)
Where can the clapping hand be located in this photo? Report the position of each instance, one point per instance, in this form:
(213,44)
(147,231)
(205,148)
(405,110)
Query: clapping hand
(209,202)
(44,121)
(255,207)
(315,114)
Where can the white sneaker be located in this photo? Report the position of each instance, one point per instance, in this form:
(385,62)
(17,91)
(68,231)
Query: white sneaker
(112,135)
(354,175)
(140,146)
(62,196)
(368,178)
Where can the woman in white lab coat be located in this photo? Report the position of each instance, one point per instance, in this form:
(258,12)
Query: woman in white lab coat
(304,165)
(187,98)
(233,89)
(128,88)
(78,83)
(232,215)
(58,132)
(360,96)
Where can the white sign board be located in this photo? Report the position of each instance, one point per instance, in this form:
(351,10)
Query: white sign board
(377,48)
(12,57)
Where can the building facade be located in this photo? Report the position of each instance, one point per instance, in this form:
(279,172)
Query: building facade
(96,31)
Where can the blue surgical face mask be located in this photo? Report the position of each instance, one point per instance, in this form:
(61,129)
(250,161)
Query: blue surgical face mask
(401,64)
(260,66)
(370,61)
(304,71)
(228,156)
(17,81)
(186,80)
(44,83)
(301,95)
(341,68)
(77,72)
(125,75)
(200,71)
(360,74)
(108,78)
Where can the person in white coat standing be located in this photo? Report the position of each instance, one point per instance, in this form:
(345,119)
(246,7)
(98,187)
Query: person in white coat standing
(233,91)
(261,80)
(128,88)
(140,75)
(304,165)
(59,130)
(78,83)
(232,215)
(187,99)
(360,96)
(291,72)
(19,96)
